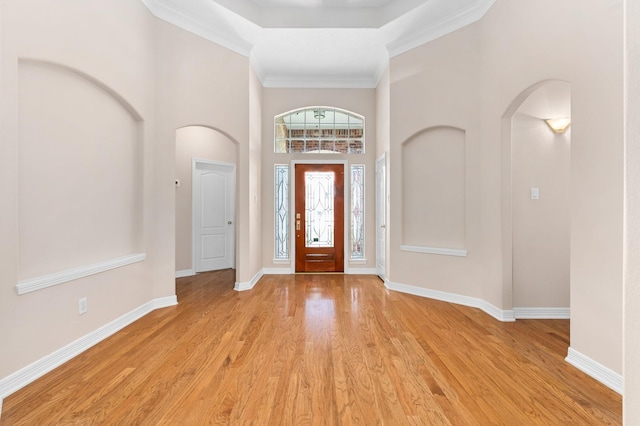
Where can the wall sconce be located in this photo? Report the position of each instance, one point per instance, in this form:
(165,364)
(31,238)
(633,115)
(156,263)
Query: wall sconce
(558,125)
(318,113)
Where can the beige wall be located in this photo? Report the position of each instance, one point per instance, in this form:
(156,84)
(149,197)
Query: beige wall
(105,137)
(76,141)
(383,144)
(631,399)
(473,76)
(277,101)
(194,142)
(541,159)
(594,70)
(434,85)
(253,240)
(201,83)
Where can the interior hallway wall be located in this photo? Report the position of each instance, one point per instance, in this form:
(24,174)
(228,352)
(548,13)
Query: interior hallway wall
(201,83)
(77,86)
(468,79)
(631,399)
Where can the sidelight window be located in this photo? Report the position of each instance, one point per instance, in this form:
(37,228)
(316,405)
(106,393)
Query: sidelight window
(281,212)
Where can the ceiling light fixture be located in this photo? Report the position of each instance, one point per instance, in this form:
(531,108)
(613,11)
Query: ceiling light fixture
(558,125)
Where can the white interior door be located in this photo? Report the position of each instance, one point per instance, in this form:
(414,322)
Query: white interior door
(381,216)
(213,216)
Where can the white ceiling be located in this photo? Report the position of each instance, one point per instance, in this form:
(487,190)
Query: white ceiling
(320,43)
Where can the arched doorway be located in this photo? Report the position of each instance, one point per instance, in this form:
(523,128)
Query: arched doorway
(205,158)
(537,202)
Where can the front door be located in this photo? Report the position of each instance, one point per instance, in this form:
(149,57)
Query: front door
(213,208)
(319,217)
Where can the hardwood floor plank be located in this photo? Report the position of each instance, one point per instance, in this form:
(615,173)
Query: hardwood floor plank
(319,350)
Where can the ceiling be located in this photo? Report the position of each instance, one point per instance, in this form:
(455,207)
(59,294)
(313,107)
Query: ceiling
(320,43)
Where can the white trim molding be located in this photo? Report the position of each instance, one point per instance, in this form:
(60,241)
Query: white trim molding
(596,370)
(185,273)
(251,284)
(435,250)
(277,271)
(44,281)
(28,374)
(360,271)
(542,313)
(497,313)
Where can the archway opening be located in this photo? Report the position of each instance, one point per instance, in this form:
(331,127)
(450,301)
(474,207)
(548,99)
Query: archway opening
(537,203)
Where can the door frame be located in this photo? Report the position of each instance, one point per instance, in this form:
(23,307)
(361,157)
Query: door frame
(223,167)
(381,228)
(292,208)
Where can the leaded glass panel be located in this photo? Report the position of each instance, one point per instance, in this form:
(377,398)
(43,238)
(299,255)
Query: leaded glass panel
(319,130)
(357,212)
(282,212)
(319,219)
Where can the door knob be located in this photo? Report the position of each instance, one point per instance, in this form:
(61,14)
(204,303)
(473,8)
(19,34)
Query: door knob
(229,222)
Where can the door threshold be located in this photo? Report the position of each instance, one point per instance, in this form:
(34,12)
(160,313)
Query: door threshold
(319,273)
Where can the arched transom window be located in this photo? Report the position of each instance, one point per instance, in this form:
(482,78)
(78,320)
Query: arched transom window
(319,130)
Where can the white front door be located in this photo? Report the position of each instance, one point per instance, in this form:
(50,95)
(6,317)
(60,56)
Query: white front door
(381,216)
(213,215)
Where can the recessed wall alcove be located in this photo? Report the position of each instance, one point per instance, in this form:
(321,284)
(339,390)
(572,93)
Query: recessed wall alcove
(79,171)
(434,189)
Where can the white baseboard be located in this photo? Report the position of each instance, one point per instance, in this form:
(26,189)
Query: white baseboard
(185,273)
(497,313)
(277,271)
(251,284)
(28,374)
(542,313)
(361,271)
(596,370)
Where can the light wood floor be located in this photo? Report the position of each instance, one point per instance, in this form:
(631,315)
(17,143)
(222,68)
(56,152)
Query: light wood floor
(318,349)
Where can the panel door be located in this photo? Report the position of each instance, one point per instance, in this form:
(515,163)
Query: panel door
(319,217)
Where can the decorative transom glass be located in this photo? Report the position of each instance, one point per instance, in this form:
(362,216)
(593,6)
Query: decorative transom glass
(319,130)
(281,212)
(319,219)
(357,212)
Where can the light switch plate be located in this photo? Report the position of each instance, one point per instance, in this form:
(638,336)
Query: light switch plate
(535,193)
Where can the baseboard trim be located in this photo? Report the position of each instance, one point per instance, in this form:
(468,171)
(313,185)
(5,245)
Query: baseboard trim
(542,313)
(604,375)
(185,273)
(435,250)
(361,271)
(251,284)
(44,281)
(28,374)
(497,313)
(277,271)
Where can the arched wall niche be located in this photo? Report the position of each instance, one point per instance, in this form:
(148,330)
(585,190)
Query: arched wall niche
(536,231)
(79,142)
(434,188)
(203,143)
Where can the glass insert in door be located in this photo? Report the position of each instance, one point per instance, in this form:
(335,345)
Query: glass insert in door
(319,218)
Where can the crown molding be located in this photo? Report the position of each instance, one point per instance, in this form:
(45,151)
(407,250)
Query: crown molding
(213,21)
(319,82)
(160,9)
(439,29)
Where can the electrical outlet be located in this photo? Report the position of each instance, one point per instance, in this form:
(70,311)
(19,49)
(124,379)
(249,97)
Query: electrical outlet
(82,306)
